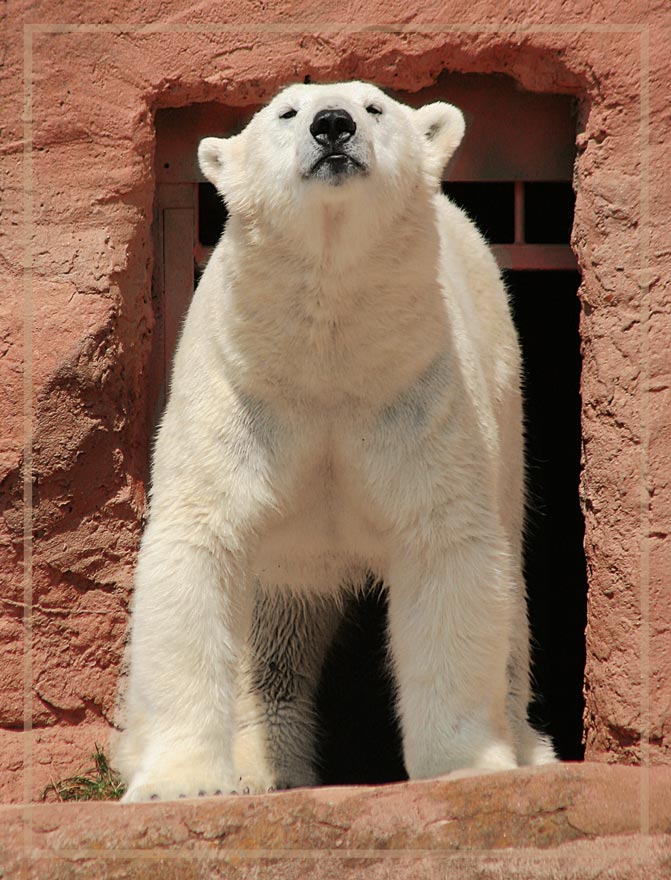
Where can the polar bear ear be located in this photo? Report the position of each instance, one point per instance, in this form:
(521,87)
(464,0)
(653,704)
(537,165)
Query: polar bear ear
(443,127)
(212,156)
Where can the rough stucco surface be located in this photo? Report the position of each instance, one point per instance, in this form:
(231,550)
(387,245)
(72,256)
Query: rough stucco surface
(77,325)
(561,822)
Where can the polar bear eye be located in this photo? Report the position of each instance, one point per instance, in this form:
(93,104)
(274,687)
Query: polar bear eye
(375,111)
(288,114)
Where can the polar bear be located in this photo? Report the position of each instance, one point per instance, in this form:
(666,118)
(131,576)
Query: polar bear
(345,400)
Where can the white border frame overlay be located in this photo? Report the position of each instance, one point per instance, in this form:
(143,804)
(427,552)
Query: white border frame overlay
(644,276)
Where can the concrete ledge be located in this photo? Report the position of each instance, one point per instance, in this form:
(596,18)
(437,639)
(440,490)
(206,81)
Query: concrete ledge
(568,821)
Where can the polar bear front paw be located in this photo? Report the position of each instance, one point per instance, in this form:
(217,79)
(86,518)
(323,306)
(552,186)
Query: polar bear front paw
(169,790)
(168,783)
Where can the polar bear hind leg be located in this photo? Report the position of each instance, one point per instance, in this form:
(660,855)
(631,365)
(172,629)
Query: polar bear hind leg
(275,743)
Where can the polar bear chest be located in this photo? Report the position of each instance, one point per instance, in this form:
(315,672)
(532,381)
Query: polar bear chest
(324,532)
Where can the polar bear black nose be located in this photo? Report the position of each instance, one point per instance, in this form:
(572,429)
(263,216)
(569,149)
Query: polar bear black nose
(332,127)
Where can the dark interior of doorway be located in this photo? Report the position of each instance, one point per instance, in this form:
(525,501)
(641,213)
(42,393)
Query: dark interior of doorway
(359,737)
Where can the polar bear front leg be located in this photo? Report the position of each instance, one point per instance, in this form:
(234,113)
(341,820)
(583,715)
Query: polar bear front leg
(190,617)
(449,624)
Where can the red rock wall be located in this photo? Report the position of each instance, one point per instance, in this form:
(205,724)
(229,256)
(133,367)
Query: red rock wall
(77,111)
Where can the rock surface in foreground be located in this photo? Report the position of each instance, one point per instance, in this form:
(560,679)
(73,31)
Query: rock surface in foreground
(568,821)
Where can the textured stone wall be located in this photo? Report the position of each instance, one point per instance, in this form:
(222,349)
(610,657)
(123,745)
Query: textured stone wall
(77,111)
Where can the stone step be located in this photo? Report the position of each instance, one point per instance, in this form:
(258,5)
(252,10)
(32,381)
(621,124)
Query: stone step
(566,821)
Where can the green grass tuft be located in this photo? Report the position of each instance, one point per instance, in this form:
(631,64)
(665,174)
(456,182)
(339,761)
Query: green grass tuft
(99,783)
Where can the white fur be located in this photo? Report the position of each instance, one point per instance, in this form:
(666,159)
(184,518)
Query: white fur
(345,398)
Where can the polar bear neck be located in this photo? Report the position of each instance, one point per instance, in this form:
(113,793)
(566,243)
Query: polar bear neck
(318,323)
(339,236)
(335,258)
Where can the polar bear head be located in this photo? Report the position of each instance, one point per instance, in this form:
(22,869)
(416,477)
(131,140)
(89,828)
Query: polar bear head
(344,146)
